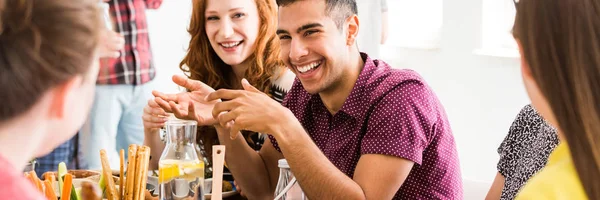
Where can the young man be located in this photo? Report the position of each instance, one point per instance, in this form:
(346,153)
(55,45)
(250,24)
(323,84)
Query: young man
(350,127)
(47,81)
(124,86)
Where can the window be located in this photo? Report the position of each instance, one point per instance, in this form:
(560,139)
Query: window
(414,23)
(497,21)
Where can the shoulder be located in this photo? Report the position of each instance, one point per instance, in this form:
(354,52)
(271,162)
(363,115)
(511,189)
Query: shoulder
(281,84)
(401,86)
(530,115)
(529,126)
(286,82)
(402,95)
(558,181)
(385,78)
(283,79)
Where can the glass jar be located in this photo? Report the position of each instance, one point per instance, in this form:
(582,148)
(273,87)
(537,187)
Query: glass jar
(287,186)
(180,168)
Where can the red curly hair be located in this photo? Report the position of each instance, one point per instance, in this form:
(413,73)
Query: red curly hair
(203,64)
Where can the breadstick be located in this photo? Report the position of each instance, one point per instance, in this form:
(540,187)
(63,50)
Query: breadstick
(143,170)
(111,194)
(130,172)
(66,193)
(50,195)
(138,175)
(121,178)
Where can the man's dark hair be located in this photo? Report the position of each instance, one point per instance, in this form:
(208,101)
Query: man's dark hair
(338,10)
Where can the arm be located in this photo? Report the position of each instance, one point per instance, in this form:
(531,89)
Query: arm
(152,140)
(257,173)
(153,4)
(380,172)
(384,21)
(376,176)
(496,189)
(153,119)
(506,151)
(252,110)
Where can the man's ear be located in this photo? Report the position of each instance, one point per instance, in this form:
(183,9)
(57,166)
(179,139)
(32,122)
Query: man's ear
(352,26)
(62,96)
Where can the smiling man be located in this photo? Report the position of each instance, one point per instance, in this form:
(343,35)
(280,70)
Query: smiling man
(350,127)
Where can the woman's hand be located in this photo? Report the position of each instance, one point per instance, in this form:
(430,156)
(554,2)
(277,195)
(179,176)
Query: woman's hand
(154,117)
(189,105)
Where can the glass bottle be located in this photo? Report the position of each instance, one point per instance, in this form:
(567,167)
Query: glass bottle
(180,168)
(287,186)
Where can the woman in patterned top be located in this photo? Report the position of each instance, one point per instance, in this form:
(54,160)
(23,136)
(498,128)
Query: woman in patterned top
(230,40)
(523,153)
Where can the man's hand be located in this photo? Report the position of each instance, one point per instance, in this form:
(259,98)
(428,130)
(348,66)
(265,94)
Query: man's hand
(110,44)
(189,105)
(250,110)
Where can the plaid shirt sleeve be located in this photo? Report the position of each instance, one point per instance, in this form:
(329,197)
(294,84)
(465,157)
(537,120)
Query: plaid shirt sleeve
(66,152)
(135,65)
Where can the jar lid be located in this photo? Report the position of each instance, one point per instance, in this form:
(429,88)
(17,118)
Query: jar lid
(283,163)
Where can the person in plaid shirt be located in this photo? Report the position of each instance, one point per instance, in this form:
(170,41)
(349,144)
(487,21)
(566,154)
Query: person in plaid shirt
(123,88)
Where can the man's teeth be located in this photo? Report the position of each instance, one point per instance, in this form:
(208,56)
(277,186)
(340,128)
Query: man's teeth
(308,67)
(231,44)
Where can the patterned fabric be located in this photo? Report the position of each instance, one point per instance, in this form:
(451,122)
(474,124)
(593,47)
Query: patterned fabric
(525,150)
(66,152)
(391,112)
(14,185)
(134,66)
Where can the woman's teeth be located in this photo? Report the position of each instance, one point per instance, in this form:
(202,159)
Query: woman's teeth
(306,68)
(231,44)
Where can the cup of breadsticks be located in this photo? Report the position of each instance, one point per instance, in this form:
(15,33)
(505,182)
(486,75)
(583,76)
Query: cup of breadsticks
(128,183)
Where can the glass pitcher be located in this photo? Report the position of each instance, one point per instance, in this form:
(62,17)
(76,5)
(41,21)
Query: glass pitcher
(287,186)
(180,168)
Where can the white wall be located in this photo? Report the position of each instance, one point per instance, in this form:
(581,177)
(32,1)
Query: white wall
(169,39)
(481,94)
